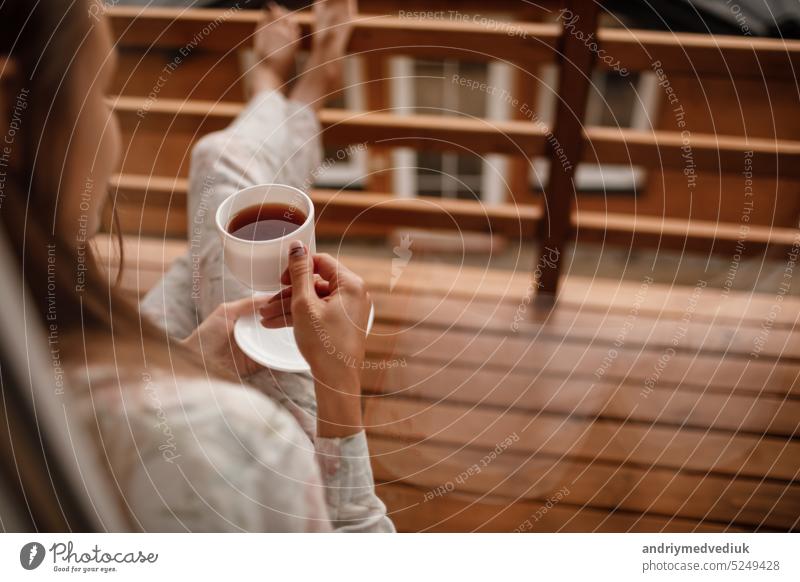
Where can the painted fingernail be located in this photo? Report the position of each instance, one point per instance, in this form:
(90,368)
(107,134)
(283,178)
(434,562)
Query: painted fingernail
(297,249)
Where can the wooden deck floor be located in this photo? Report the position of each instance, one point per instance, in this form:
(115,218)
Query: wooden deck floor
(625,407)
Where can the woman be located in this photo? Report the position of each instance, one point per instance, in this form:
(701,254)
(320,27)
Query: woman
(196,436)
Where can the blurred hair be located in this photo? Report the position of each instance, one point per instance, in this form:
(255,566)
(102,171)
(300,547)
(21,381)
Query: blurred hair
(70,289)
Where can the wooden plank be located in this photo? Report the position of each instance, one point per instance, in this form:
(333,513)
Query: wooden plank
(410,512)
(502,316)
(515,9)
(576,364)
(659,149)
(702,235)
(443,471)
(677,485)
(701,54)
(516,221)
(168,196)
(579,293)
(195,118)
(555,394)
(640,471)
(575,63)
(654,300)
(588,363)
(230,30)
(714,106)
(698,54)
(583,293)
(708,452)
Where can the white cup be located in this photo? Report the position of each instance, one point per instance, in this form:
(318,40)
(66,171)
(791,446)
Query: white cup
(259,264)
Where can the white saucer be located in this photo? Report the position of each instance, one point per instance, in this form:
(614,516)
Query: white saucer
(274,348)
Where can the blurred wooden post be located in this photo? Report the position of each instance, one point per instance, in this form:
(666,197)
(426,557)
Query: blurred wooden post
(519,167)
(575,61)
(527,85)
(379,177)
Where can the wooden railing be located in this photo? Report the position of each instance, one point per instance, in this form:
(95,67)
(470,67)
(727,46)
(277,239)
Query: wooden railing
(159,142)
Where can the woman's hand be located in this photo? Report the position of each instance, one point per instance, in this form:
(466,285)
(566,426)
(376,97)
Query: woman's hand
(213,339)
(329,315)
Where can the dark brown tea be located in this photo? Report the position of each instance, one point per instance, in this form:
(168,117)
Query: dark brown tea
(266,221)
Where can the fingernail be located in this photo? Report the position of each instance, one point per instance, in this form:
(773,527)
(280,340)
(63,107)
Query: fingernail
(297,249)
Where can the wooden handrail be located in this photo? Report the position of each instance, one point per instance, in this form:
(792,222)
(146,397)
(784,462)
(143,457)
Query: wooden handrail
(520,9)
(521,42)
(701,54)
(226,30)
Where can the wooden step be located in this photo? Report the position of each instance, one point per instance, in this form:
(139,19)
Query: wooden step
(468,513)
(450,471)
(503,316)
(682,405)
(587,362)
(699,451)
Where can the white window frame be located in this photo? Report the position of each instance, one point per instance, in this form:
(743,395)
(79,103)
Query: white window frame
(349,172)
(494,184)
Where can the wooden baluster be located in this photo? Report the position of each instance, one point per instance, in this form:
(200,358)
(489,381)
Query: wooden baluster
(379,174)
(575,62)
(526,88)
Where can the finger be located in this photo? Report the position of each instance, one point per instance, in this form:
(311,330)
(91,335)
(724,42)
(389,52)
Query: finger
(301,272)
(278,322)
(277,308)
(281,295)
(333,271)
(321,287)
(246,306)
